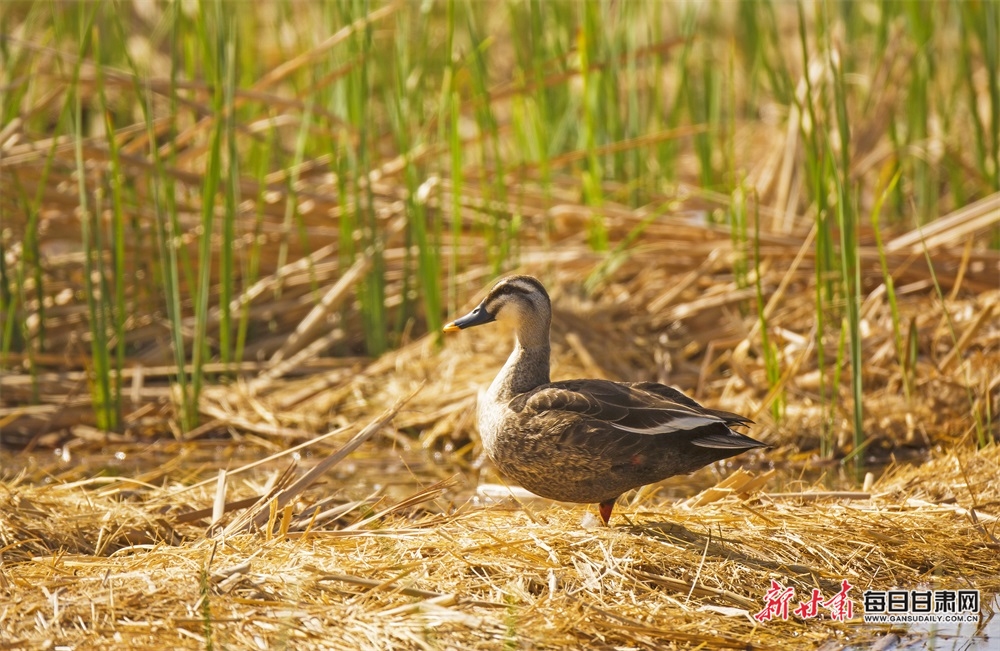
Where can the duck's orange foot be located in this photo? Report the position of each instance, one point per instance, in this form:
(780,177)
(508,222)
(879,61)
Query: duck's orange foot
(605,508)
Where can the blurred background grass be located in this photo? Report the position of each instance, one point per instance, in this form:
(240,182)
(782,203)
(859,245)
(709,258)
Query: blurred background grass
(212,189)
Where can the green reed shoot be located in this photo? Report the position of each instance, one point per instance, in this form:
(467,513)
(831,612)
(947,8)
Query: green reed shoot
(423,230)
(231,190)
(372,294)
(499,230)
(890,287)
(118,312)
(847,220)
(213,50)
(106,398)
(772,360)
(591,77)
(816,165)
(251,260)
(980,24)
(451,105)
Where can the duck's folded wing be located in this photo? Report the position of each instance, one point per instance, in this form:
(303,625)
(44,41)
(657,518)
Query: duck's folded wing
(671,393)
(610,404)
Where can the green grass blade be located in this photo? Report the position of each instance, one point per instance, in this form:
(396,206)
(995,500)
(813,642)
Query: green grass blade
(93,266)
(890,286)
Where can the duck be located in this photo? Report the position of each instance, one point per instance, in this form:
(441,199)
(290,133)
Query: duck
(585,440)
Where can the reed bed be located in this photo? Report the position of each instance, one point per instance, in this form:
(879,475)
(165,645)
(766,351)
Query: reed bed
(192,224)
(238,233)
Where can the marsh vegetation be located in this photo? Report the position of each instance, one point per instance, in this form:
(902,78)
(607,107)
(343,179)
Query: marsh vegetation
(232,232)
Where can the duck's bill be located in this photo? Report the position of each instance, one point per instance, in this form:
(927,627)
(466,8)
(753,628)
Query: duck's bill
(478,316)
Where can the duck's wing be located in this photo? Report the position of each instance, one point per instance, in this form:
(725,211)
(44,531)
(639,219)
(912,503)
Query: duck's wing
(670,393)
(634,409)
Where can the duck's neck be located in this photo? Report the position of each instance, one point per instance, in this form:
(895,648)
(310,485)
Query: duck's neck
(526,368)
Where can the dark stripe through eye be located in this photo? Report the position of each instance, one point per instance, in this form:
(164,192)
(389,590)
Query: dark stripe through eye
(517,286)
(513,289)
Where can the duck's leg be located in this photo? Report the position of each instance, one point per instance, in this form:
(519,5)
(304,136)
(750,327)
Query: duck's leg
(605,508)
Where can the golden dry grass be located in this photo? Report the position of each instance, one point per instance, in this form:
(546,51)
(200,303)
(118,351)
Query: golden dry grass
(90,565)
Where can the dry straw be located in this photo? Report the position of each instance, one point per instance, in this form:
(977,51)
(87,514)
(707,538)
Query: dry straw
(109,563)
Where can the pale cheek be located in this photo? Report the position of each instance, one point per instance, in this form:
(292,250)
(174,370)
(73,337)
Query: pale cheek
(516,313)
(506,313)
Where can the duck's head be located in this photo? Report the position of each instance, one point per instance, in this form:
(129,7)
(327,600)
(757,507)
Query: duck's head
(521,300)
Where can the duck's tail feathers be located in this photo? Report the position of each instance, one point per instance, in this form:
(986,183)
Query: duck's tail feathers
(728,440)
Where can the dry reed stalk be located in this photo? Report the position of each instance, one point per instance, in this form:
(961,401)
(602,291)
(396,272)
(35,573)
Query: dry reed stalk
(681,574)
(256,517)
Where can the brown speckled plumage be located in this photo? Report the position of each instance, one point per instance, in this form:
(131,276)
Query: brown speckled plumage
(586,440)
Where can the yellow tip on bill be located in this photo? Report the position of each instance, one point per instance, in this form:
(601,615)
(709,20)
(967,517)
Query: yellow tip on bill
(451,327)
